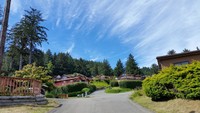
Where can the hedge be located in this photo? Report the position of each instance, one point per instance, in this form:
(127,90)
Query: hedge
(114,83)
(71,90)
(130,84)
(174,82)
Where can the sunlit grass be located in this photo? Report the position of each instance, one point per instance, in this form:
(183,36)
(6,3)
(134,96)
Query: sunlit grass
(30,108)
(171,106)
(117,90)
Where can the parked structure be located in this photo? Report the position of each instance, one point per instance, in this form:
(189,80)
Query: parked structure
(70,79)
(178,59)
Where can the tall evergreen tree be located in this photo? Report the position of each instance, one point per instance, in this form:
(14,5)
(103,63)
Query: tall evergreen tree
(36,33)
(106,68)
(131,66)
(119,69)
(48,57)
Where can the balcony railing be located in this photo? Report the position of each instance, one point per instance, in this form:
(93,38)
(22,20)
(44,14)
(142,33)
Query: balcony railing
(12,86)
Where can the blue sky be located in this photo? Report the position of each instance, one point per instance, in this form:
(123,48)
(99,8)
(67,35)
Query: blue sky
(112,29)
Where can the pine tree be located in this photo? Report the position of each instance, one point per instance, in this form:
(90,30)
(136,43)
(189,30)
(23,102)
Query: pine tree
(119,69)
(131,66)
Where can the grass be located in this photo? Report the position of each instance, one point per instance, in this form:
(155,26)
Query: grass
(171,106)
(117,90)
(30,108)
(100,84)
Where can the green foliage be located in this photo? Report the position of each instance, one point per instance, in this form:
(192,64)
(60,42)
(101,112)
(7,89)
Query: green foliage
(85,89)
(137,93)
(119,69)
(76,87)
(92,88)
(100,84)
(116,90)
(130,84)
(74,94)
(50,86)
(131,66)
(32,71)
(114,83)
(150,70)
(174,81)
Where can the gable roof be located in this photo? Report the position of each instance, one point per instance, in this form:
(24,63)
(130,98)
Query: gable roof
(178,55)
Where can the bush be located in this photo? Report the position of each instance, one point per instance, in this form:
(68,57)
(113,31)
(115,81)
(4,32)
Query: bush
(174,81)
(100,84)
(114,83)
(130,84)
(137,93)
(92,88)
(85,90)
(76,87)
(74,94)
(49,95)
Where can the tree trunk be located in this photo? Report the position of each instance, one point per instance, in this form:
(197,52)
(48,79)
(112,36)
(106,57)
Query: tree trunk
(11,63)
(4,29)
(30,53)
(20,61)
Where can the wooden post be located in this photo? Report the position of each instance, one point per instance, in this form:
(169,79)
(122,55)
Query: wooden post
(4,29)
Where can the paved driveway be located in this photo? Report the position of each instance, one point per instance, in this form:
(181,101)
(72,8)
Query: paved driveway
(99,102)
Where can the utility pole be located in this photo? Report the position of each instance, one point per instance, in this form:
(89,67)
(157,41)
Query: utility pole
(3,30)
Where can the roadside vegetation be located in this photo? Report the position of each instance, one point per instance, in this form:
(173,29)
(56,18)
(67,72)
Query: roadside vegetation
(71,90)
(30,108)
(175,89)
(170,106)
(174,82)
(117,90)
(100,84)
(123,86)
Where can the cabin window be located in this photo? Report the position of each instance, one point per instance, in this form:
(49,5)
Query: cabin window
(181,63)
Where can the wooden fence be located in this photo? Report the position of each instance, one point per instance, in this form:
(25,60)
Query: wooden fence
(12,86)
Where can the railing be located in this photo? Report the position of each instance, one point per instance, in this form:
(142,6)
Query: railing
(12,86)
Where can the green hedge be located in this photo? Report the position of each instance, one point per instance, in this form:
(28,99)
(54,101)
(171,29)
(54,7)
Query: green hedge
(114,83)
(130,84)
(71,90)
(174,82)
(76,87)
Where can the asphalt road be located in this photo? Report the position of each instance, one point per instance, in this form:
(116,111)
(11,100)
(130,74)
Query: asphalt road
(99,102)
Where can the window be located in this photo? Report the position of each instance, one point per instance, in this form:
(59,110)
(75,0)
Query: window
(181,63)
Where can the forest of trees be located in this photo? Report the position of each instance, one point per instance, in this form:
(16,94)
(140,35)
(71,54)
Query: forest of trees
(22,44)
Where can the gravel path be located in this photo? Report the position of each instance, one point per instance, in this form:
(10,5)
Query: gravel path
(99,102)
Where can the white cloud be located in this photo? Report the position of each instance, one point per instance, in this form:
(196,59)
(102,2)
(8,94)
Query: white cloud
(15,6)
(70,49)
(95,59)
(58,22)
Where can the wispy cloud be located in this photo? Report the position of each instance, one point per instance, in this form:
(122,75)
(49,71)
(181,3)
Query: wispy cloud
(70,49)
(149,28)
(15,6)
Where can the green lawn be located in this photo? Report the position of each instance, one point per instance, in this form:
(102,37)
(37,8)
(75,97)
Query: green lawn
(117,90)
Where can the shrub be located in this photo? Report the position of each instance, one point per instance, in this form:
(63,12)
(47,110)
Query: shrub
(32,71)
(137,93)
(76,87)
(74,94)
(130,84)
(114,83)
(49,95)
(85,90)
(100,84)
(92,88)
(174,81)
